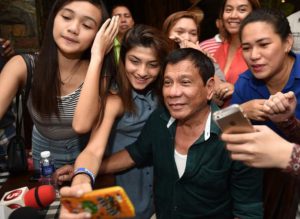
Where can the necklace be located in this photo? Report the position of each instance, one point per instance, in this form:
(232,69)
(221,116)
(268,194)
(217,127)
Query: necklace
(68,79)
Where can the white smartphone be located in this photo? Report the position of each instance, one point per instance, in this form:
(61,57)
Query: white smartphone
(232,120)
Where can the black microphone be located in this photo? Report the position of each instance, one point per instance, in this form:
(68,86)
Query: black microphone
(25,213)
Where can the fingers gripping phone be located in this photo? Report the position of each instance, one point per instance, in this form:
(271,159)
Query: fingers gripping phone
(107,203)
(232,120)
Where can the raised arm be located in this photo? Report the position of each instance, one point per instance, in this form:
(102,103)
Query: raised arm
(12,78)
(88,105)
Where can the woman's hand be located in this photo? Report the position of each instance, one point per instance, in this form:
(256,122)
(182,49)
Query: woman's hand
(7,48)
(281,106)
(223,90)
(63,174)
(183,43)
(65,214)
(104,39)
(263,148)
(74,191)
(254,109)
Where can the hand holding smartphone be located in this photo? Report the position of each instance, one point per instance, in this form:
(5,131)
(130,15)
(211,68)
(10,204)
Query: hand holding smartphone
(232,120)
(110,202)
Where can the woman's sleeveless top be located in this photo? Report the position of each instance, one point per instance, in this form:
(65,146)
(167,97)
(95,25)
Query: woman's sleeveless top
(53,127)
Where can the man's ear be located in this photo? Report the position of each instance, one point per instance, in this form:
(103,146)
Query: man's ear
(210,88)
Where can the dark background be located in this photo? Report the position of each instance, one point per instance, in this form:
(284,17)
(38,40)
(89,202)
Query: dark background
(23,21)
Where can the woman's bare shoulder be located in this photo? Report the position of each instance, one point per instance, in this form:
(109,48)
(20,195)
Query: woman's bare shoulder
(15,68)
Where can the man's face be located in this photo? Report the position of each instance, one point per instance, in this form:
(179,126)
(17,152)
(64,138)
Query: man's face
(125,18)
(184,92)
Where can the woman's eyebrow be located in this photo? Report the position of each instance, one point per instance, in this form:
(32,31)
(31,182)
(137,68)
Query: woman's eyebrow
(85,16)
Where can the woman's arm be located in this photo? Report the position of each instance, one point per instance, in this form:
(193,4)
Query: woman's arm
(12,78)
(88,105)
(91,156)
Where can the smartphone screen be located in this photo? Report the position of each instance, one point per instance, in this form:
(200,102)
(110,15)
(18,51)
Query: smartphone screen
(232,120)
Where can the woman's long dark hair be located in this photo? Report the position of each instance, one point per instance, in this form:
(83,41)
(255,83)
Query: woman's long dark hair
(46,79)
(144,36)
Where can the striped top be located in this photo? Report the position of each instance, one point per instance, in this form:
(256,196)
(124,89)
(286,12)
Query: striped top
(53,127)
(211,45)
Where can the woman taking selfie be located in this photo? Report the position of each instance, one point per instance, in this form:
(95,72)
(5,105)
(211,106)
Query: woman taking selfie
(57,81)
(141,57)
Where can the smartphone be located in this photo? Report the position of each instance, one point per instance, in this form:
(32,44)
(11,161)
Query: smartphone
(110,202)
(232,120)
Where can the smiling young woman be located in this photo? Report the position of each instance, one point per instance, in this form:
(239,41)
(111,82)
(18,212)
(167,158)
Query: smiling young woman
(229,54)
(57,81)
(127,109)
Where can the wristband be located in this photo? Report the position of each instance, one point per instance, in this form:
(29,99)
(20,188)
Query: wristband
(86,171)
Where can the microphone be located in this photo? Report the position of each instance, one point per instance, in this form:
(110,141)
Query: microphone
(38,197)
(25,213)
(15,198)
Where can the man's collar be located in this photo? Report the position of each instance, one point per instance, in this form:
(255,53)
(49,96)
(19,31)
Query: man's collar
(210,126)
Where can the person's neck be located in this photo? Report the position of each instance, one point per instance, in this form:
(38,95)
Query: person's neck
(235,41)
(120,37)
(197,121)
(66,64)
(280,79)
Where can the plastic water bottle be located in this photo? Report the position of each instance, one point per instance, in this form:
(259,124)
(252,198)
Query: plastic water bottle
(46,168)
